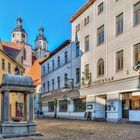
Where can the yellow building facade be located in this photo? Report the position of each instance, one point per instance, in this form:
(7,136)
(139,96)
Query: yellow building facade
(7,66)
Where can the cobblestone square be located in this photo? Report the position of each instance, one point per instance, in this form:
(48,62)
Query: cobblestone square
(84,130)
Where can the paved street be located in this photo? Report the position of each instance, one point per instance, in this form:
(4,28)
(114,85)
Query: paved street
(83,130)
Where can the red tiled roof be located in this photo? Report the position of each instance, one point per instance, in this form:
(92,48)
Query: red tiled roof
(17,46)
(35,72)
(82,9)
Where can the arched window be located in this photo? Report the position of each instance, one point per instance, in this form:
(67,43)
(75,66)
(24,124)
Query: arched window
(100,67)
(24,54)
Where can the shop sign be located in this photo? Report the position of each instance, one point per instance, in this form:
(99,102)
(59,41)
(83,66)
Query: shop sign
(89,106)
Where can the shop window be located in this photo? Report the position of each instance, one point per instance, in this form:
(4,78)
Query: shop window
(79,105)
(135,104)
(63,105)
(51,106)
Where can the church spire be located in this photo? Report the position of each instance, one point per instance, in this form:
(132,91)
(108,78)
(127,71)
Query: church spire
(19,22)
(41,44)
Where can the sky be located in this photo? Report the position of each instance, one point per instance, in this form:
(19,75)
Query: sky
(53,15)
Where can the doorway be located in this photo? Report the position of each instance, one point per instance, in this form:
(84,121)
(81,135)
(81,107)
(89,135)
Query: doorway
(125,108)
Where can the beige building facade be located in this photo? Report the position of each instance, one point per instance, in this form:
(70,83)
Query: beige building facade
(109,37)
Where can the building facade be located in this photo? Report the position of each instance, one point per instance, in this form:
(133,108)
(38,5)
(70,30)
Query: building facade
(8,66)
(60,83)
(109,36)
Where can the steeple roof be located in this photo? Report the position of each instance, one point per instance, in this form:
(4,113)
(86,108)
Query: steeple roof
(19,26)
(41,34)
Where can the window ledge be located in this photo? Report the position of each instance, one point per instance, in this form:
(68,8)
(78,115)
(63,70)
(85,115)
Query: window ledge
(100,44)
(119,34)
(119,71)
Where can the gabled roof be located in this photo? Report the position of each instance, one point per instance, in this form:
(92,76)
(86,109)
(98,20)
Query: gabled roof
(17,46)
(11,52)
(82,9)
(12,49)
(11,58)
(63,45)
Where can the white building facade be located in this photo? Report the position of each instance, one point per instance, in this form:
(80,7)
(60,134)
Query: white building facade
(109,36)
(60,83)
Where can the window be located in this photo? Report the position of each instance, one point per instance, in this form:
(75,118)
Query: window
(66,57)
(137,14)
(63,105)
(79,105)
(78,28)
(43,87)
(87,71)
(87,43)
(78,75)
(53,65)
(65,78)
(24,54)
(43,70)
(48,86)
(3,64)
(135,104)
(48,68)
(58,61)
(100,67)
(52,84)
(119,24)
(77,49)
(9,68)
(51,106)
(58,82)
(119,60)
(86,21)
(100,8)
(22,58)
(100,35)
(136,53)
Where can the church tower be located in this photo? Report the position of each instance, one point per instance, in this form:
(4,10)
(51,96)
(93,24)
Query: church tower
(19,34)
(41,44)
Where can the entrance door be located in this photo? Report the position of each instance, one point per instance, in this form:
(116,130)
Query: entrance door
(125,108)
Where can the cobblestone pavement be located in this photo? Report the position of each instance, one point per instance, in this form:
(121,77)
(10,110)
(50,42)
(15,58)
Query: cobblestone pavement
(84,130)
